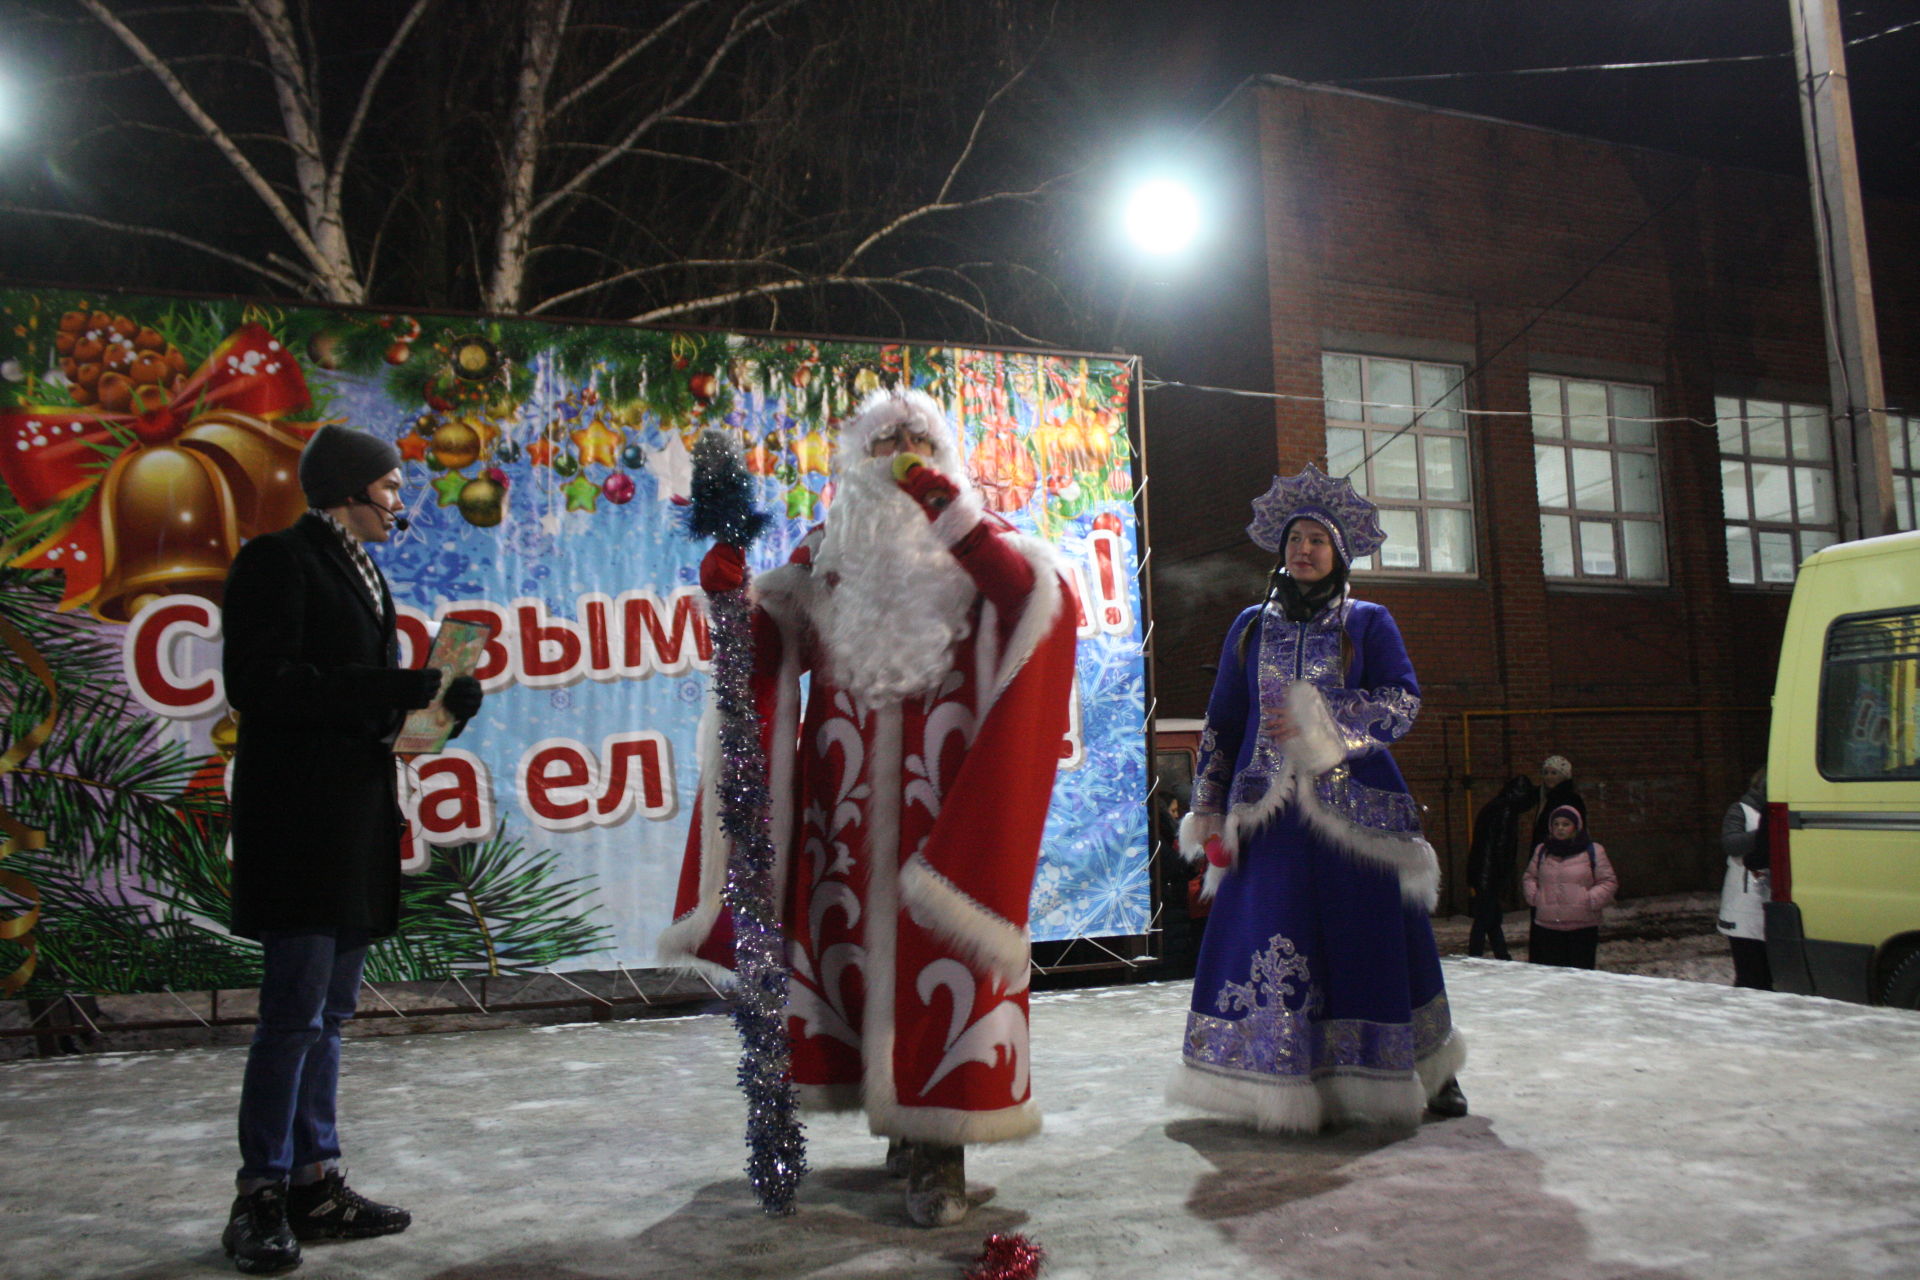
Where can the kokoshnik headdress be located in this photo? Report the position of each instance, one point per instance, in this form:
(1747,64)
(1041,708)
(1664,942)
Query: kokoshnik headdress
(1351,519)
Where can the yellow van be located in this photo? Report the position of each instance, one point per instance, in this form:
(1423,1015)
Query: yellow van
(1843,778)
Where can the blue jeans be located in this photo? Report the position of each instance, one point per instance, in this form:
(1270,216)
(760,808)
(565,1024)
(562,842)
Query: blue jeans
(310,986)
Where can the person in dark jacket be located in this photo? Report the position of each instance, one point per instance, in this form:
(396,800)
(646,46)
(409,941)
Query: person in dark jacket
(310,671)
(1491,861)
(1748,885)
(1556,777)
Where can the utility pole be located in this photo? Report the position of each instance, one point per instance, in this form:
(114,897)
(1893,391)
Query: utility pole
(1863,468)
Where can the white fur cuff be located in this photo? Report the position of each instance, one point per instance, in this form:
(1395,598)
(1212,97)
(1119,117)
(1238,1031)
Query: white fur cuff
(1195,830)
(1317,745)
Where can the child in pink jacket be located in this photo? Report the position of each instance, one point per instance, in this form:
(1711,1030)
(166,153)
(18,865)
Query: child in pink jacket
(1568,884)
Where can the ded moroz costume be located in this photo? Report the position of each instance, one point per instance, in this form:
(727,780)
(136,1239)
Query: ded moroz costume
(908,785)
(1318,996)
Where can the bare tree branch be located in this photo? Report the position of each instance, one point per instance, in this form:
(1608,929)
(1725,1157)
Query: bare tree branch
(286,280)
(625,56)
(300,115)
(546,20)
(737,33)
(979,123)
(730,159)
(336,178)
(771,289)
(928,210)
(651,269)
(215,134)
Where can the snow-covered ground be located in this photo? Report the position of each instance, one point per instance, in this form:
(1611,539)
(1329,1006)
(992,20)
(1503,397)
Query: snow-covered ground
(1622,1126)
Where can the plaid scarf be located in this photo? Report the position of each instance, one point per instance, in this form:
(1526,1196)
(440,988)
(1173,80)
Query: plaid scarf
(369,572)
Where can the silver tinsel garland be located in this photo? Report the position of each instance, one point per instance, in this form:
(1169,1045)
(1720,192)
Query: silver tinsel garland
(776,1142)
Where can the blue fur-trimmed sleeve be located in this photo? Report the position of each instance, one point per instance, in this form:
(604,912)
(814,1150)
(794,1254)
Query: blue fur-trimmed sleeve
(1383,697)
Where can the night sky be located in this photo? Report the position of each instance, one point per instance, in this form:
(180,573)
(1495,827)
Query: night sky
(1183,57)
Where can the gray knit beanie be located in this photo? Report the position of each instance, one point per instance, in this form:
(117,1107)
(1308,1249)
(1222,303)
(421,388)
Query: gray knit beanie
(339,462)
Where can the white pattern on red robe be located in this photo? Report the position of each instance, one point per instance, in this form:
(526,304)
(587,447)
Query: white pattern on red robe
(907,837)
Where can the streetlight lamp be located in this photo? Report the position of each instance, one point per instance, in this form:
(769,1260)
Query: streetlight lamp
(1161,216)
(9,103)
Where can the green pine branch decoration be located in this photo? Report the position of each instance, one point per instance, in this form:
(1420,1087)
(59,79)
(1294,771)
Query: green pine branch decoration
(493,907)
(108,936)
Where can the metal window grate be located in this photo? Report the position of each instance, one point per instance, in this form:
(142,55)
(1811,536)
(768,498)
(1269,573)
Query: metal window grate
(1886,638)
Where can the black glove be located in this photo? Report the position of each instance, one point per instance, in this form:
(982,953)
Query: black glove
(410,690)
(462,698)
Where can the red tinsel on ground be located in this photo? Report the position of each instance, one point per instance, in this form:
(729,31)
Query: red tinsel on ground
(1007,1257)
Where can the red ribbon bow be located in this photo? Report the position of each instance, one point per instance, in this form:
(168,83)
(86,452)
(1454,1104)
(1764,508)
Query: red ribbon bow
(48,454)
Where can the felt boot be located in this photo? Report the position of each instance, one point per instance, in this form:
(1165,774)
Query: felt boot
(936,1184)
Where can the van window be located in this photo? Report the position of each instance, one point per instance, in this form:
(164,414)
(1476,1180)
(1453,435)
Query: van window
(1870,698)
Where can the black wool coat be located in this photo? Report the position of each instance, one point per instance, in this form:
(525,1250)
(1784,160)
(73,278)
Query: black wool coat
(309,667)
(1496,836)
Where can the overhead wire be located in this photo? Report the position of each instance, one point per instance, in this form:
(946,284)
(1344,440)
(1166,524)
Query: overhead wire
(1640,65)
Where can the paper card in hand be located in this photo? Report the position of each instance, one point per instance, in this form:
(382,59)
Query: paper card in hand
(457,651)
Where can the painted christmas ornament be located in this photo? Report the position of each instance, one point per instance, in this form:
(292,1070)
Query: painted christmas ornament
(226,734)
(618,487)
(474,358)
(483,501)
(455,445)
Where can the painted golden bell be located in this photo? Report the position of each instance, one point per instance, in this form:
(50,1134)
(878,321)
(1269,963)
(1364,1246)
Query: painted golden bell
(167,528)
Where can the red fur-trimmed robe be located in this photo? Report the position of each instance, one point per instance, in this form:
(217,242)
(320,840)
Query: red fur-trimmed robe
(907,839)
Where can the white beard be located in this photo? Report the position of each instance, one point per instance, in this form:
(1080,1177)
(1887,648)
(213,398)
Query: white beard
(892,602)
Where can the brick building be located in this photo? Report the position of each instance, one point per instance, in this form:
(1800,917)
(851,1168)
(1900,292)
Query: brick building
(1587,383)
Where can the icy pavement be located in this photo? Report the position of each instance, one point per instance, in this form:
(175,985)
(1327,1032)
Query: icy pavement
(1623,1127)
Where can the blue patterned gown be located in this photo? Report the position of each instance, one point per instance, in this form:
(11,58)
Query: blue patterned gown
(1318,995)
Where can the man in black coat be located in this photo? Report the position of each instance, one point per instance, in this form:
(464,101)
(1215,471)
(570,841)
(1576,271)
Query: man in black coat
(310,670)
(1490,863)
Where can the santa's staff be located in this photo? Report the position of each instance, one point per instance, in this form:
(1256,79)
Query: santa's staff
(722,509)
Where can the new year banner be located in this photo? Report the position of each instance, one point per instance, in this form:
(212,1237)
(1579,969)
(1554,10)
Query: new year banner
(144,439)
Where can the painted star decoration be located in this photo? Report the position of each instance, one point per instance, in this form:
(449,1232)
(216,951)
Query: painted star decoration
(412,447)
(597,443)
(540,452)
(446,490)
(582,494)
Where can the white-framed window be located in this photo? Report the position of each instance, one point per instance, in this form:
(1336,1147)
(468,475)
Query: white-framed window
(1903,442)
(1776,482)
(1395,428)
(1596,470)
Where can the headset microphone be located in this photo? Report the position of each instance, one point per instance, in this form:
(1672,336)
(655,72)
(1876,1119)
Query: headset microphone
(392,521)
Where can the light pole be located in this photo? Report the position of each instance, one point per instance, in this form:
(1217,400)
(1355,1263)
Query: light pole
(1862,465)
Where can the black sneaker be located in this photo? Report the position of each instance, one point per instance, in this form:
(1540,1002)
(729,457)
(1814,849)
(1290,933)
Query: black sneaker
(258,1238)
(1450,1103)
(331,1210)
